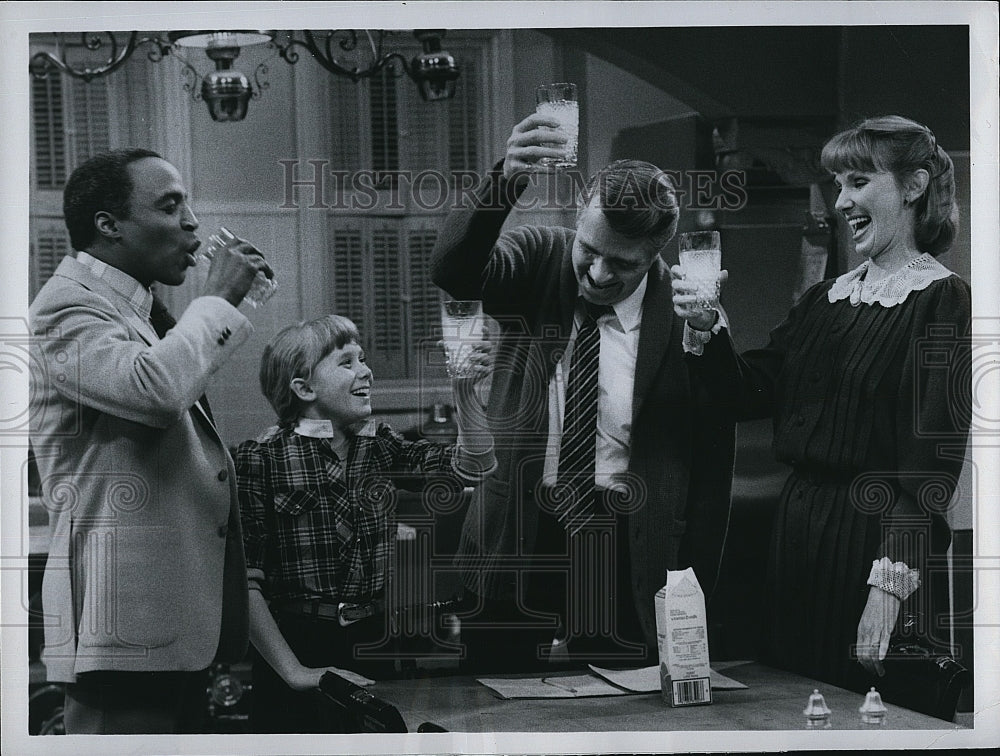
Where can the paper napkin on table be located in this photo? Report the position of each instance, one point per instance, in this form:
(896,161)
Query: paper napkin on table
(647,679)
(562,686)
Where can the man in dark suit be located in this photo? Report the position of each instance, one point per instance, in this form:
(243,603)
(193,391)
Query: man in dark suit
(145,583)
(613,468)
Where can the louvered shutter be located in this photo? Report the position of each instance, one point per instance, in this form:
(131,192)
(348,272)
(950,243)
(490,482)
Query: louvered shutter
(387,303)
(380,266)
(425,318)
(422,135)
(49,148)
(464,117)
(346,100)
(49,245)
(349,286)
(89,108)
(71,122)
(384,122)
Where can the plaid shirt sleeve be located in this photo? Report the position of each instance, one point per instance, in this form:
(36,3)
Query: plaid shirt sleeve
(251,485)
(425,460)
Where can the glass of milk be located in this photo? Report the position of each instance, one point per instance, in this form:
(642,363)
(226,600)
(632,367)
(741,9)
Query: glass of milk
(462,326)
(559,102)
(262,287)
(701,260)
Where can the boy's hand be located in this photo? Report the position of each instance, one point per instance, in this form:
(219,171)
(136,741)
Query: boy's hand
(307,678)
(470,413)
(479,364)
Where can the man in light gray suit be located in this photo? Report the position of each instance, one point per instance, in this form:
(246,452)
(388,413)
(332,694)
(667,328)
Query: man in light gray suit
(145,583)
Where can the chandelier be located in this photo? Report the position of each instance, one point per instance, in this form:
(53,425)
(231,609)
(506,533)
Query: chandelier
(227,91)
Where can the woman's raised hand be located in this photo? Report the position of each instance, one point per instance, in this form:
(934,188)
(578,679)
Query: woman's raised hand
(699,314)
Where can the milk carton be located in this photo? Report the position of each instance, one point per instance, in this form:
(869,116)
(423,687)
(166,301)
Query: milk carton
(682,637)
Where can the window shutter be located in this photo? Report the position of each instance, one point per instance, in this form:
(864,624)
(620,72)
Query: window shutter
(425,311)
(71,120)
(72,123)
(384,122)
(89,106)
(387,302)
(423,132)
(49,246)
(464,119)
(49,137)
(348,273)
(345,123)
(381,261)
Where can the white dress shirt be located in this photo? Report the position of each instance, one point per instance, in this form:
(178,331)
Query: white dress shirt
(615,380)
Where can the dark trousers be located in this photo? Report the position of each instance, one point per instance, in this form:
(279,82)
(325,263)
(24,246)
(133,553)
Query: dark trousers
(317,643)
(576,592)
(134,703)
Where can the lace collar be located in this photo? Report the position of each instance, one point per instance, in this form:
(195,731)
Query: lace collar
(891,290)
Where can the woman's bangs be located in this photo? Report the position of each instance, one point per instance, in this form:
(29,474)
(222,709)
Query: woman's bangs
(849,151)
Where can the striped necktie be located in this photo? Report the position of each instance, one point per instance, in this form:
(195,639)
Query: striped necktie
(574,494)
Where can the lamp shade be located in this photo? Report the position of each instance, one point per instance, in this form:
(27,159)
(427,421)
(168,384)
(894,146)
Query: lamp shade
(206,40)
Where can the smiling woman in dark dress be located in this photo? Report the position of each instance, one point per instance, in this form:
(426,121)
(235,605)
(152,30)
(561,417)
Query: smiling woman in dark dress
(864,382)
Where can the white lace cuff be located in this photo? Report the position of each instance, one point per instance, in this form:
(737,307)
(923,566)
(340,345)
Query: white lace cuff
(694,340)
(894,577)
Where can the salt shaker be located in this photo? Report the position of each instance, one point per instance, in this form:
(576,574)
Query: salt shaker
(816,711)
(873,710)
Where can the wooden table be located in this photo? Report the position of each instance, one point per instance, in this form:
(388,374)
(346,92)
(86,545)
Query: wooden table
(774,700)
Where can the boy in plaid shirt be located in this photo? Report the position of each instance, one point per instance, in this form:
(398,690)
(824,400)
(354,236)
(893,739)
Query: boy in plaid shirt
(317,501)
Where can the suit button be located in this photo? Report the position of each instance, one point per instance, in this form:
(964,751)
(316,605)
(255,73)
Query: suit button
(223,474)
(221,341)
(223,531)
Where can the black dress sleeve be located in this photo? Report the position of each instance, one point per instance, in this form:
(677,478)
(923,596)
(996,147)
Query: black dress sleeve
(932,424)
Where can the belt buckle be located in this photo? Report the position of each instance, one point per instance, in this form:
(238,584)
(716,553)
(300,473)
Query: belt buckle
(359,612)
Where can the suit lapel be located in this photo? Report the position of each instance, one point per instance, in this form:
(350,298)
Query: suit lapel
(71,268)
(74,270)
(554,339)
(654,334)
(198,411)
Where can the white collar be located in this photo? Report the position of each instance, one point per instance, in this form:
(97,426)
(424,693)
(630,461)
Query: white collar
(629,310)
(139,296)
(890,290)
(323,428)
(314,428)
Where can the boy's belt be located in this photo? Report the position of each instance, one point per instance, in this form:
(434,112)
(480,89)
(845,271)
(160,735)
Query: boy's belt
(345,613)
